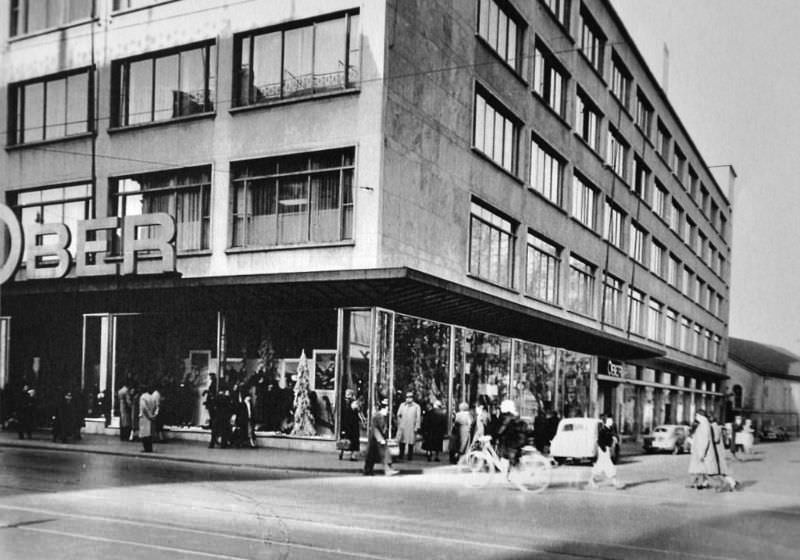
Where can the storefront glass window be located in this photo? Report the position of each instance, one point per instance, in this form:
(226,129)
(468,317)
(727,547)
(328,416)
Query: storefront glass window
(421,361)
(533,386)
(483,363)
(357,326)
(575,373)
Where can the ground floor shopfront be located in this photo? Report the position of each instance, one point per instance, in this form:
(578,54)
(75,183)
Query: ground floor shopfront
(253,337)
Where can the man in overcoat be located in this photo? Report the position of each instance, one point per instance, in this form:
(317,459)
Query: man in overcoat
(377,443)
(409,420)
(148,410)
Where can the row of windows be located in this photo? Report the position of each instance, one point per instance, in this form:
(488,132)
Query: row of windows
(549,83)
(297,199)
(491,257)
(306,58)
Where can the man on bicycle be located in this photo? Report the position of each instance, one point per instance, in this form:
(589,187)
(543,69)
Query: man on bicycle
(511,435)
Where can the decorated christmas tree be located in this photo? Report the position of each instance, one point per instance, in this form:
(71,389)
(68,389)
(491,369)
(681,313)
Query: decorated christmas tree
(303,418)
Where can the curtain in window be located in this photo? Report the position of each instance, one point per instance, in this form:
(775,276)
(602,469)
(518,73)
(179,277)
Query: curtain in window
(263,226)
(325,217)
(292,210)
(189,220)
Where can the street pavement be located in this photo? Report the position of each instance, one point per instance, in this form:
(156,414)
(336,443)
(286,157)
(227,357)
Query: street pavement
(101,498)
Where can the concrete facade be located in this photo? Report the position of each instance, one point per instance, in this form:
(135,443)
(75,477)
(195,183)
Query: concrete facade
(411,119)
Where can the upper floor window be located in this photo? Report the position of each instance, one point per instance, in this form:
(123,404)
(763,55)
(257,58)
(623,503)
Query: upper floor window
(636,247)
(293,199)
(686,335)
(592,40)
(52,205)
(50,108)
(547,171)
(657,252)
(491,247)
(713,355)
(721,266)
(299,60)
(723,226)
(163,86)
(674,272)
(29,16)
(655,321)
(495,132)
(636,322)
(620,81)
(713,215)
(686,281)
(543,269)
(549,79)
(675,217)
(678,163)
(644,113)
(612,301)
(688,232)
(584,202)
(500,28)
(718,306)
(671,328)
(663,139)
(581,286)
(184,194)
(617,153)
(659,200)
(641,177)
(587,120)
(560,9)
(612,230)
(704,199)
(701,245)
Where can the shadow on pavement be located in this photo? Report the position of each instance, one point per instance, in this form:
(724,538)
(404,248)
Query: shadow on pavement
(643,482)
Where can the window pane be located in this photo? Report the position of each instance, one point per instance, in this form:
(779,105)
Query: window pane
(166,88)
(329,45)
(140,91)
(77,104)
(353,70)
(56,111)
(292,205)
(191,97)
(267,66)
(79,9)
(325,217)
(34,113)
(297,71)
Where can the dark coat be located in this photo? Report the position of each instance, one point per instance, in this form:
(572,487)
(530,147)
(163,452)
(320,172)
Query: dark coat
(434,427)
(351,428)
(378,433)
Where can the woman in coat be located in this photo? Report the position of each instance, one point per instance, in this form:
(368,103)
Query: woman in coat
(463,423)
(351,429)
(148,410)
(434,427)
(703,461)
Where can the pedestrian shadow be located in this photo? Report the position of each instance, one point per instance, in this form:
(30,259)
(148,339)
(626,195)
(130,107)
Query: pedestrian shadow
(643,482)
(745,484)
(750,460)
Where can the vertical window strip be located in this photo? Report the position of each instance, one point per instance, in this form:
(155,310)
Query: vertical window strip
(584,199)
(491,246)
(543,266)
(546,172)
(494,134)
(500,30)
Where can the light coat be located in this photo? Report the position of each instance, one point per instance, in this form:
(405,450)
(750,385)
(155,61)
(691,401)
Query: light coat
(703,459)
(125,407)
(148,409)
(409,420)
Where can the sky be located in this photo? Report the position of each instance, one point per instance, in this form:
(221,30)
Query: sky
(734,80)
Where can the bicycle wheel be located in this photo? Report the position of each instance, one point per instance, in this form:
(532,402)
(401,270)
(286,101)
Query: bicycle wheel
(532,473)
(477,468)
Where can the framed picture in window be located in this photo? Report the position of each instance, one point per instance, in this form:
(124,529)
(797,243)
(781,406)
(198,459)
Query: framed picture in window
(324,370)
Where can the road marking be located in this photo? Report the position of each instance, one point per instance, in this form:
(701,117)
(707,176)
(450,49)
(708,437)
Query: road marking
(199,552)
(392,533)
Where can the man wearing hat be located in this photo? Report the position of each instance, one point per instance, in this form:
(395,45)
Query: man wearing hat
(409,420)
(376,444)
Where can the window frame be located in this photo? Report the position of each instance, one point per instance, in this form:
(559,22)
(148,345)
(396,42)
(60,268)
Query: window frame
(584,201)
(588,120)
(508,145)
(613,293)
(539,249)
(617,150)
(615,236)
(512,16)
(592,40)
(637,238)
(644,113)
(477,208)
(636,311)
(621,80)
(541,151)
(655,320)
(550,79)
(581,286)
(19,16)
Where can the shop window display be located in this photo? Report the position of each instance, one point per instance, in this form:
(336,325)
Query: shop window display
(272,357)
(534,379)
(357,325)
(483,364)
(575,373)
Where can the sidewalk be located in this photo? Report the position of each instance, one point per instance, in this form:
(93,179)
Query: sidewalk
(199,453)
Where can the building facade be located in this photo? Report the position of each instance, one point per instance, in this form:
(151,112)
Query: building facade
(487,200)
(763,385)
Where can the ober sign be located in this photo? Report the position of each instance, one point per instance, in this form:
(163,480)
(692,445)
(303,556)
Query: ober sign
(158,245)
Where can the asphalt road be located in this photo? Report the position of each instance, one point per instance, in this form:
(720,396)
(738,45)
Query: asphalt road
(56,504)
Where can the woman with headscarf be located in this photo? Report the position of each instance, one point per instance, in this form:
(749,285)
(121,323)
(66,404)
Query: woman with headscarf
(703,461)
(351,429)
(434,427)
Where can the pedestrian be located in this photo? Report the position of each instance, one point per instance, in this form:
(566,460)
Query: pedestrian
(135,394)
(725,482)
(409,421)
(604,465)
(748,437)
(245,424)
(349,437)
(125,411)
(434,427)
(462,432)
(737,439)
(65,421)
(377,448)
(703,458)
(158,422)
(221,411)
(148,410)
(26,412)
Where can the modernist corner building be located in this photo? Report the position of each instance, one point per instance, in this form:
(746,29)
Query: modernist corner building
(474,201)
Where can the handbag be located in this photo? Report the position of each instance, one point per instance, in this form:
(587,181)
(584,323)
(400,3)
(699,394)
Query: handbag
(393,448)
(343,444)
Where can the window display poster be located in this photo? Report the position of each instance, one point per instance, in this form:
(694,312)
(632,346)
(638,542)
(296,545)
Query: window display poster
(324,370)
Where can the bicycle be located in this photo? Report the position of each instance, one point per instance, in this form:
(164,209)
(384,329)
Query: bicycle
(532,473)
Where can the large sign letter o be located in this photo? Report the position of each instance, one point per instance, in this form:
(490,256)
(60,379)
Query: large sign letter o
(14,252)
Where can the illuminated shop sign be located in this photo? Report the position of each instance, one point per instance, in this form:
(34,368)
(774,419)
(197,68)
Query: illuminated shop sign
(153,253)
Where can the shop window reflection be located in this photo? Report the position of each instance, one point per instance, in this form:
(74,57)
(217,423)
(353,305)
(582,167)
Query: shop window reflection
(483,365)
(575,372)
(534,379)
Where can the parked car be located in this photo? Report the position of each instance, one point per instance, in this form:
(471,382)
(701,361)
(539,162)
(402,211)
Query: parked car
(576,440)
(774,433)
(668,437)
